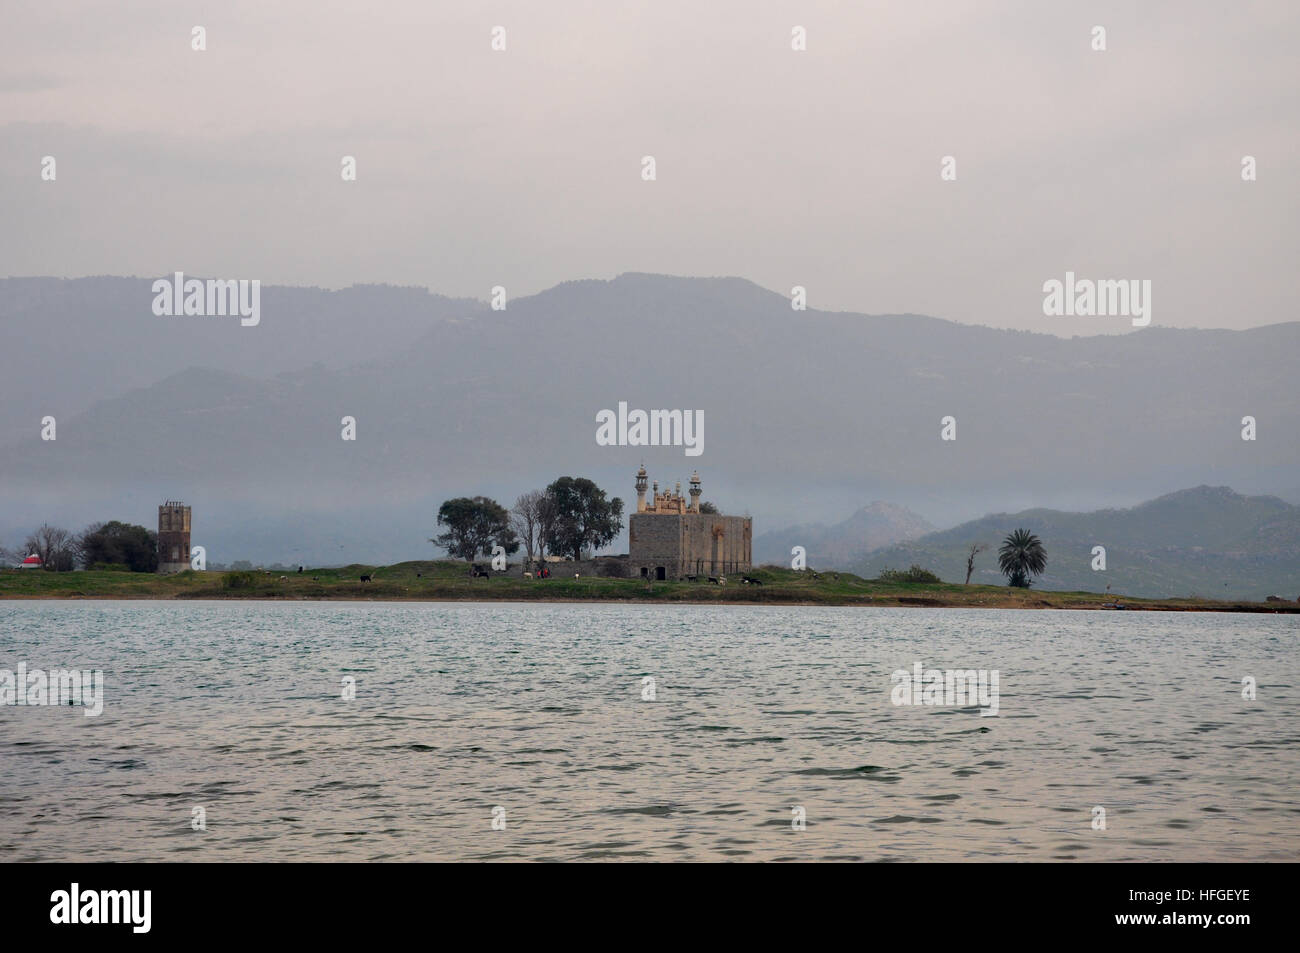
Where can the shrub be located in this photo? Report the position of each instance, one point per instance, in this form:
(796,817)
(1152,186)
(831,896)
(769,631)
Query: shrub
(239,580)
(915,574)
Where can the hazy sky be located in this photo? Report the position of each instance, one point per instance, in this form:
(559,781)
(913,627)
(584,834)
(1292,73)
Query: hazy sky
(522,168)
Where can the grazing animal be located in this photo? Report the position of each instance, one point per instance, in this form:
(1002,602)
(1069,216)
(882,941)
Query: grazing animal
(751,581)
(576,575)
(419,575)
(300,570)
(528,575)
(284,578)
(365,579)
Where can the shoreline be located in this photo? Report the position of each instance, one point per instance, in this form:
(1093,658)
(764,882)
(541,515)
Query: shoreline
(435,581)
(903,602)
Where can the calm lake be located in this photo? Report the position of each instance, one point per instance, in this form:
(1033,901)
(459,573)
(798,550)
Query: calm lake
(237,709)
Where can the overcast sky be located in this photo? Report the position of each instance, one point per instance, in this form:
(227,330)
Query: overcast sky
(523,168)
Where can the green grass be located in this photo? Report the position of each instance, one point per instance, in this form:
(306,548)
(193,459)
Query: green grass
(446,580)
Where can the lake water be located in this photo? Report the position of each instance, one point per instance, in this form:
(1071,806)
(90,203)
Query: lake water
(460,708)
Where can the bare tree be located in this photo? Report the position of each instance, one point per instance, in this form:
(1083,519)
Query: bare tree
(525,520)
(56,546)
(533,519)
(975,550)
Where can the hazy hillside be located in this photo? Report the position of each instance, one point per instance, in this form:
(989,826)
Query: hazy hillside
(806,413)
(842,544)
(1208,541)
(72,342)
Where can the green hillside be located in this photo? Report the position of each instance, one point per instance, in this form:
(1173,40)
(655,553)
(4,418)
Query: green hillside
(1208,542)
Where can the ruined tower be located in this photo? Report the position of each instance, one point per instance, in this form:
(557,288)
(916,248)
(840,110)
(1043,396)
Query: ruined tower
(173,537)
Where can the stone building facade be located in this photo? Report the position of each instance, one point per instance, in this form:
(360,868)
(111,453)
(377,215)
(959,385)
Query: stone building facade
(173,537)
(669,538)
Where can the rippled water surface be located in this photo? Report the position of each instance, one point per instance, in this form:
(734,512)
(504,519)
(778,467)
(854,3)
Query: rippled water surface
(460,708)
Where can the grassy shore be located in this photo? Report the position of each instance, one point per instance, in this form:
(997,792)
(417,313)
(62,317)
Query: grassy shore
(444,580)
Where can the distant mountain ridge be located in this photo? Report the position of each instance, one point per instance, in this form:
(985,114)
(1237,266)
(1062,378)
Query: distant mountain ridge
(807,413)
(1208,541)
(840,545)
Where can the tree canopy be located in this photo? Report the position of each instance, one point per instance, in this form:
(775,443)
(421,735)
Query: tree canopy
(474,525)
(583,518)
(118,543)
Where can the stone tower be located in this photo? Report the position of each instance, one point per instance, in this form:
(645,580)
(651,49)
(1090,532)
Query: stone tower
(173,537)
(695,492)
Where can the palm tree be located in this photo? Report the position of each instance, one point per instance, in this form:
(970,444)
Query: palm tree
(1020,556)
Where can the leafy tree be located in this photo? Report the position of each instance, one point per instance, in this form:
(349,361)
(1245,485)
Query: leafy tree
(583,517)
(474,526)
(707,507)
(1021,555)
(117,543)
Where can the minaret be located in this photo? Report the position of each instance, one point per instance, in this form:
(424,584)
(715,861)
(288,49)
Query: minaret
(695,492)
(640,489)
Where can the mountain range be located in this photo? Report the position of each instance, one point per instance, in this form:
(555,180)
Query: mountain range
(842,544)
(807,412)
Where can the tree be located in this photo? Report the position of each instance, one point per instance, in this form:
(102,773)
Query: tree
(56,546)
(474,526)
(583,517)
(707,507)
(1020,556)
(117,543)
(546,517)
(526,518)
(975,550)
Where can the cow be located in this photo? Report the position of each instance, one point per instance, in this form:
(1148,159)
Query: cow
(365,578)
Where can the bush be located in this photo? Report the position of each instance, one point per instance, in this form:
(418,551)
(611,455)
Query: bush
(239,580)
(915,574)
